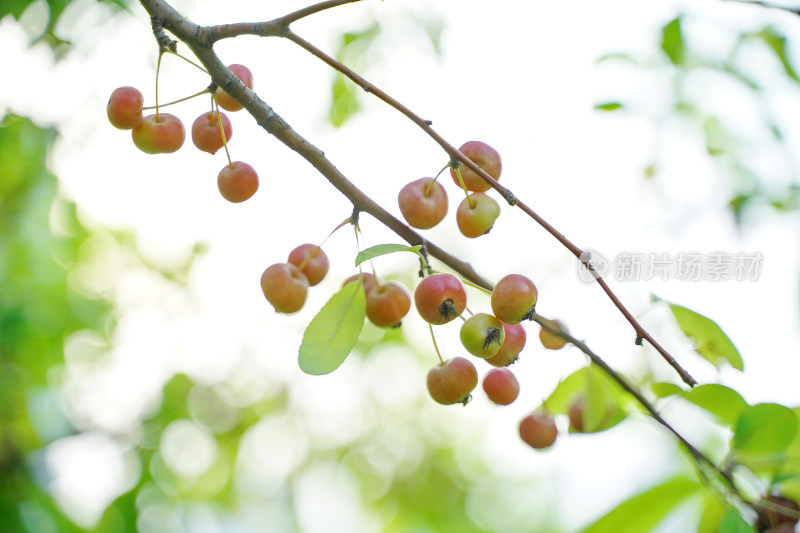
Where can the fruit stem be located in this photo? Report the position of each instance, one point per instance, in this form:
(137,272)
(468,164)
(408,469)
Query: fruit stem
(425,267)
(435,346)
(177,101)
(475,286)
(427,190)
(315,252)
(187,60)
(158,70)
(215,105)
(470,200)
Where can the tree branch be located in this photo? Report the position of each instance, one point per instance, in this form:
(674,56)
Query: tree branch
(699,456)
(269,120)
(456,155)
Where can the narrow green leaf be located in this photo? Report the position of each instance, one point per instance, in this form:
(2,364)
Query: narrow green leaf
(383,249)
(720,400)
(646,510)
(672,41)
(732,522)
(331,335)
(609,106)
(710,341)
(617,56)
(777,42)
(765,427)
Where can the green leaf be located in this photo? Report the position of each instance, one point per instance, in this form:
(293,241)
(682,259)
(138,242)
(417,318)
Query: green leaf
(720,400)
(344,101)
(601,394)
(331,335)
(710,341)
(672,41)
(662,390)
(712,513)
(608,106)
(765,427)
(352,51)
(777,42)
(646,510)
(383,249)
(732,522)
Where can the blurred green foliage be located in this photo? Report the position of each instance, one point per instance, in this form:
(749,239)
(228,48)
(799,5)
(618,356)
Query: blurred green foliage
(37,307)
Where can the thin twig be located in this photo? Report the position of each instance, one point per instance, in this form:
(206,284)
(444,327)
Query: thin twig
(630,389)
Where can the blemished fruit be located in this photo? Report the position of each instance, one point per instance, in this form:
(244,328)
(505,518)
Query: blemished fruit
(440,298)
(578,413)
(513,344)
(205,131)
(482,335)
(367,281)
(485,157)
(476,215)
(514,299)
(538,430)
(237,182)
(501,386)
(550,340)
(423,203)
(226,101)
(452,381)
(312,261)
(775,511)
(285,287)
(162,136)
(124,108)
(388,304)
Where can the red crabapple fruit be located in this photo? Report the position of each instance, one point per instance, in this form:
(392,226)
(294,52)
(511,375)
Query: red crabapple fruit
(452,381)
(514,299)
(285,287)
(387,304)
(482,335)
(550,340)
(423,203)
(501,386)
(159,134)
(476,214)
(237,182)
(367,280)
(485,157)
(512,345)
(124,108)
(440,298)
(312,261)
(538,430)
(205,131)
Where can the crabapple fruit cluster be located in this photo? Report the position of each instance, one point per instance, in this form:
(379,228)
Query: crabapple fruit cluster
(163,133)
(423,203)
(285,285)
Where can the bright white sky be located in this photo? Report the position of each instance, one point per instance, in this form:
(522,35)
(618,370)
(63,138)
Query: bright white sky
(521,76)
